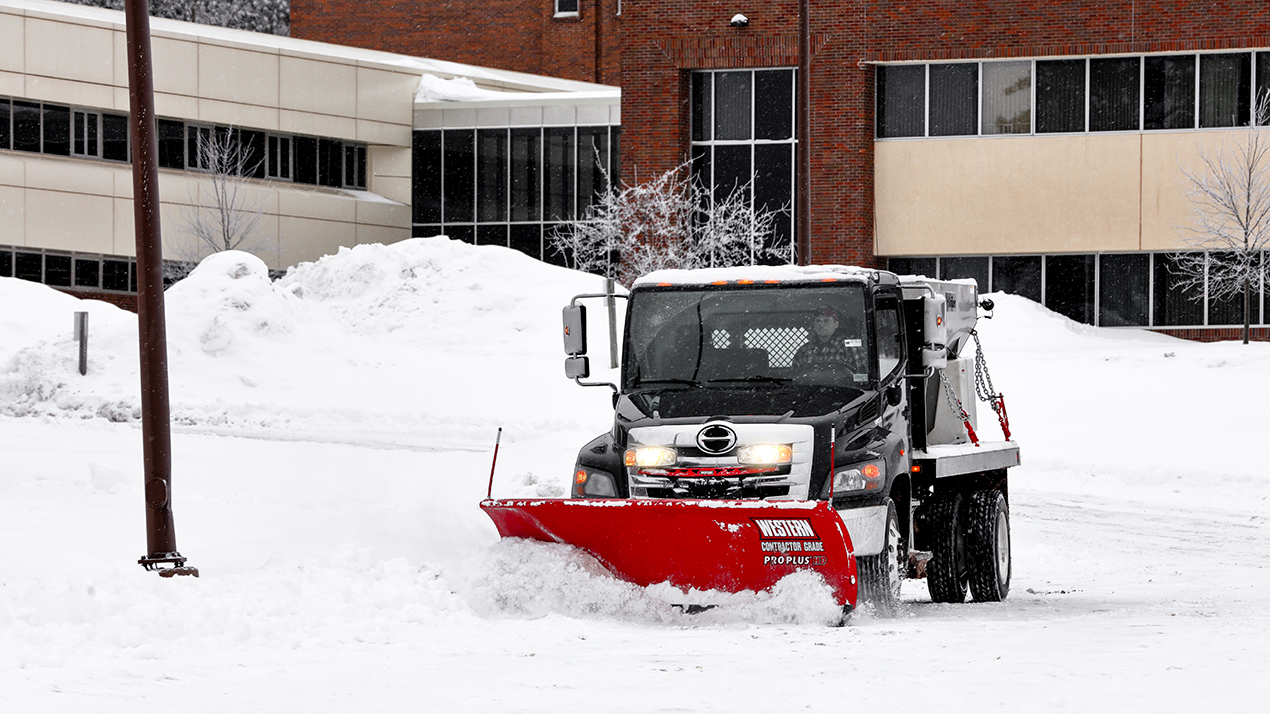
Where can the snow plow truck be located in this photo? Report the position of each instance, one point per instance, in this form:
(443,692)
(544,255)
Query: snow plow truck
(777,419)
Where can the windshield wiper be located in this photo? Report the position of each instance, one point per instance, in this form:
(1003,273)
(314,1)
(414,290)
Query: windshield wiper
(757,379)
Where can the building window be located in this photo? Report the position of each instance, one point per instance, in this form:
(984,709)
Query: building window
(526,174)
(354,166)
(1017,275)
(114,137)
(1124,290)
(57,130)
(85,134)
(1168,85)
(306,160)
(566,7)
(1224,84)
(558,170)
(901,101)
(494,186)
(426,171)
(6,125)
(171,144)
(1007,97)
(491,175)
(1175,304)
(1060,96)
(460,174)
(962,267)
(26,126)
(742,139)
(954,99)
(278,157)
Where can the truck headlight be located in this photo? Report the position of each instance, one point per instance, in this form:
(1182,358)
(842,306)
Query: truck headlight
(867,476)
(765,454)
(593,484)
(650,456)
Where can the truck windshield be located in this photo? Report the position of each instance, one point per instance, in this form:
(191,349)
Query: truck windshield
(747,336)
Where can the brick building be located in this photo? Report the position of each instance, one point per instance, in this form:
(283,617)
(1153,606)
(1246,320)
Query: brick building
(1035,146)
(571,39)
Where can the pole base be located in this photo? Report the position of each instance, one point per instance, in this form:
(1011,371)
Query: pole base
(167,564)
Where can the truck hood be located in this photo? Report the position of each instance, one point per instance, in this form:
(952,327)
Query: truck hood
(684,402)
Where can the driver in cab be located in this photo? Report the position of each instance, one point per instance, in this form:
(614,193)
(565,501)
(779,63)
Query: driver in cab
(829,349)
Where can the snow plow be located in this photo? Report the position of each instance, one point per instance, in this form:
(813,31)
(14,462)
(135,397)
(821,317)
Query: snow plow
(785,418)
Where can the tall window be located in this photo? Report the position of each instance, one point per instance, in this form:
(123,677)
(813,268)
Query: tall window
(1168,86)
(1224,81)
(742,139)
(1060,96)
(1007,97)
(954,106)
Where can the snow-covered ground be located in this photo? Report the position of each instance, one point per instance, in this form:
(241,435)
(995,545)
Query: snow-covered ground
(332,438)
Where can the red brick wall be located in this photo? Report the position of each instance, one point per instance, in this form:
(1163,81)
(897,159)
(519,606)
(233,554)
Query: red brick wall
(664,39)
(503,34)
(1218,334)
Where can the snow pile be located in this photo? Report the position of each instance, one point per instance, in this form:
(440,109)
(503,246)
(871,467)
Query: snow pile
(429,340)
(459,89)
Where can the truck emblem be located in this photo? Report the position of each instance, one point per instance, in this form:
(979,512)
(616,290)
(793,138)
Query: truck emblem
(716,439)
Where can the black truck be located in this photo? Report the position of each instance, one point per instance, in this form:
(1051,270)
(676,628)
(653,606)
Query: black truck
(829,383)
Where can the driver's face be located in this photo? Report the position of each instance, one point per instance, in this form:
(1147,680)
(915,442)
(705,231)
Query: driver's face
(825,326)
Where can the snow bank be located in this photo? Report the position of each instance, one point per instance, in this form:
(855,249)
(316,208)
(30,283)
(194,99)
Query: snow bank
(459,89)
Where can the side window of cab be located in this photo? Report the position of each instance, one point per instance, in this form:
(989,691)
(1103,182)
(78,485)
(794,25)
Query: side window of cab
(890,337)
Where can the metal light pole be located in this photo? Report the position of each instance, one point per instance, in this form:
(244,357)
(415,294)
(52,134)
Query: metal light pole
(156,431)
(803,215)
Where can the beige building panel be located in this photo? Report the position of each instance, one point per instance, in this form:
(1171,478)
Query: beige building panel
(1165,207)
(374,132)
(316,204)
(381,234)
(125,228)
(61,91)
(1014,195)
(334,127)
(70,50)
(73,175)
(318,87)
(12,52)
(177,106)
(389,161)
(236,75)
(375,213)
(392,187)
(68,221)
(242,115)
(12,84)
(307,239)
(385,96)
(12,170)
(175,65)
(12,215)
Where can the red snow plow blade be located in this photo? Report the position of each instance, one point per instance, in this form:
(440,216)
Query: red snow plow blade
(707,545)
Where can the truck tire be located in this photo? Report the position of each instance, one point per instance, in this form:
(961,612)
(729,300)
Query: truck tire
(946,572)
(988,546)
(880,574)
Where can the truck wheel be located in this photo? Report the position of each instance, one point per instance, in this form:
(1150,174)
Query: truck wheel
(988,546)
(880,574)
(946,571)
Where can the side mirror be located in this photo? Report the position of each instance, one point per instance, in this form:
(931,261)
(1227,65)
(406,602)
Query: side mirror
(895,394)
(574,332)
(577,367)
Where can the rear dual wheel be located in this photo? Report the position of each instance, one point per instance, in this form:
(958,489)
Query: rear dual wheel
(973,557)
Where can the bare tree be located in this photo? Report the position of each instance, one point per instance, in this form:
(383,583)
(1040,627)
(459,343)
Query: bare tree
(668,222)
(223,213)
(1230,217)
